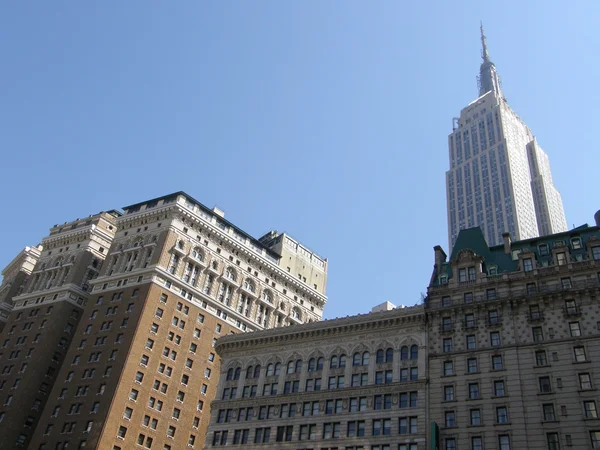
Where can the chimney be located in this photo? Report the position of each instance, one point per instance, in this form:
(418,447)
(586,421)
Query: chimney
(440,256)
(506,237)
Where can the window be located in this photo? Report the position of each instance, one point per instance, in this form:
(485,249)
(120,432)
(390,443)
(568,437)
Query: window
(501,414)
(565,283)
(473,391)
(472,365)
(585,381)
(579,353)
(561,258)
(491,294)
(531,288)
(596,254)
(475,415)
(476,443)
(499,388)
(122,432)
(575,329)
(447,344)
(448,368)
(589,408)
(538,334)
(503,442)
(471,342)
(595,438)
(450,444)
(493,318)
(540,358)
(527,264)
(553,442)
(545,386)
(548,411)
(497,363)
(449,419)
(495,338)
(448,393)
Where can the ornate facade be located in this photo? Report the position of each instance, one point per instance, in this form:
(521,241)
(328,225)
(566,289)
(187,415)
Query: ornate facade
(514,342)
(134,312)
(353,383)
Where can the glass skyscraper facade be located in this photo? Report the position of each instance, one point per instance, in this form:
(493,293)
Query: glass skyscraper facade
(499,177)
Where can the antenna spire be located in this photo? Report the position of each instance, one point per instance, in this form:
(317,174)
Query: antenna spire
(484,53)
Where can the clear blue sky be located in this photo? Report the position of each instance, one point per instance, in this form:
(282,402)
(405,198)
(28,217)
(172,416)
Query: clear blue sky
(325,119)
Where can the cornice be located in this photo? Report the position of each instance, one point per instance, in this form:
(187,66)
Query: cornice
(327,328)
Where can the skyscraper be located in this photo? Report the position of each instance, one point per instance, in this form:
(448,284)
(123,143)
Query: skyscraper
(499,177)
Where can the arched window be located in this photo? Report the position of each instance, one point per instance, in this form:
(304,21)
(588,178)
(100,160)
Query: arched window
(215,265)
(236,375)
(198,254)
(229,375)
(267,296)
(249,285)
(320,363)
(404,353)
(414,352)
(180,245)
(312,363)
(257,371)
(270,370)
(230,274)
(389,355)
(249,372)
(277,368)
(365,359)
(298,366)
(356,359)
(379,356)
(333,362)
(342,361)
(290,367)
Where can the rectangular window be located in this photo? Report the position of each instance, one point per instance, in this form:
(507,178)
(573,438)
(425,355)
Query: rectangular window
(448,368)
(545,386)
(501,414)
(548,411)
(472,365)
(448,393)
(575,329)
(540,358)
(553,442)
(449,419)
(585,381)
(499,388)
(473,391)
(579,353)
(497,363)
(589,408)
(495,338)
(527,264)
(475,417)
(447,344)
(538,334)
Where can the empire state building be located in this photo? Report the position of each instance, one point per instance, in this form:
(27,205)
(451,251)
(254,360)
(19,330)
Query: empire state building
(499,177)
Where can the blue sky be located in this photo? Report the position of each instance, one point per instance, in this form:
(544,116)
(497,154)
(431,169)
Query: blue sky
(328,120)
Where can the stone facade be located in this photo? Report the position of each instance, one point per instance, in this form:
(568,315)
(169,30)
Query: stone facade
(14,278)
(514,342)
(354,383)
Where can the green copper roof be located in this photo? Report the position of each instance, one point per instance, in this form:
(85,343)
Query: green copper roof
(472,239)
